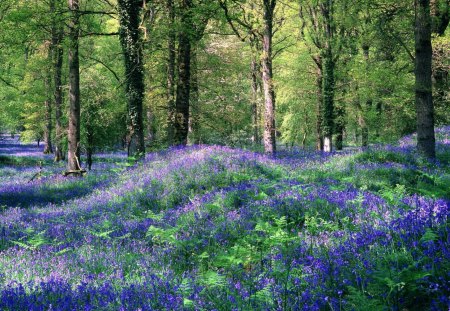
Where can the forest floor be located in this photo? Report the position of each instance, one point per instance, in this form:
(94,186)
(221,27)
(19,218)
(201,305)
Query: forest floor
(217,228)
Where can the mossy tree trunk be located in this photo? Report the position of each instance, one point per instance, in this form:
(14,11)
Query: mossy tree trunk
(131,42)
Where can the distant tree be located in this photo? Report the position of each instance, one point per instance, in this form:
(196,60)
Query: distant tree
(262,14)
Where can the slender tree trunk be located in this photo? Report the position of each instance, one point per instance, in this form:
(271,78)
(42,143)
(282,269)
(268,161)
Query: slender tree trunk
(340,125)
(319,107)
(424,99)
(328,102)
(184,78)
(57,36)
(48,111)
(267,74)
(150,128)
(57,63)
(194,101)
(328,81)
(363,112)
(171,73)
(255,73)
(130,39)
(74,89)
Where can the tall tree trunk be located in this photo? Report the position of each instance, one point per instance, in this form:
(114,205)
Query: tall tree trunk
(74,89)
(131,42)
(319,107)
(424,99)
(328,101)
(57,36)
(255,74)
(328,81)
(194,108)
(267,75)
(171,73)
(363,112)
(184,77)
(48,110)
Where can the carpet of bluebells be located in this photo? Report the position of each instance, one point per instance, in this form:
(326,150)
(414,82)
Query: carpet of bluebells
(217,228)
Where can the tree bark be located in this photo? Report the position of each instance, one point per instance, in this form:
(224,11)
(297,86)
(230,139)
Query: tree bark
(74,89)
(131,42)
(267,75)
(423,86)
(181,126)
(171,73)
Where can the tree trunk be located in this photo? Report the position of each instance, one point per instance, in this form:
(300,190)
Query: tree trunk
(340,125)
(48,112)
(328,102)
(57,37)
(171,73)
(184,76)
(267,75)
(194,103)
(255,73)
(150,127)
(328,81)
(319,109)
(48,128)
(363,112)
(423,86)
(130,40)
(74,89)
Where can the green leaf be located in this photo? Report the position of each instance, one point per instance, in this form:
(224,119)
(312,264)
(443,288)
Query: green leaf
(429,236)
